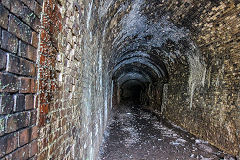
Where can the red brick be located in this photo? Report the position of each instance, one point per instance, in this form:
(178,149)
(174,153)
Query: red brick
(4,17)
(33,158)
(33,148)
(8,143)
(22,153)
(21,30)
(9,42)
(27,85)
(29,102)
(34,86)
(17,121)
(3,59)
(24,137)
(35,39)
(6,104)
(34,133)
(19,103)
(9,83)
(43,155)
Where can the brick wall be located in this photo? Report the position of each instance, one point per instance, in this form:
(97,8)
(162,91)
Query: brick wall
(200,52)
(72,99)
(19,30)
(55,80)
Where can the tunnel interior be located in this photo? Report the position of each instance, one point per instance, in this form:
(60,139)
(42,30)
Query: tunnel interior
(136,78)
(131,90)
(66,65)
(158,59)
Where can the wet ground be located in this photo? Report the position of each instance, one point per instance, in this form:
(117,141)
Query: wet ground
(137,134)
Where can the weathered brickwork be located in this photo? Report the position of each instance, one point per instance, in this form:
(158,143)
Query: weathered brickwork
(19,21)
(198,41)
(72,102)
(62,60)
(212,107)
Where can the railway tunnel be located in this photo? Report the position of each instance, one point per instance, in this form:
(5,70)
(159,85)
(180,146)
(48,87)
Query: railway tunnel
(71,69)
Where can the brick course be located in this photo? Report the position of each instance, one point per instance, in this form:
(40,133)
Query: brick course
(55,116)
(19,27)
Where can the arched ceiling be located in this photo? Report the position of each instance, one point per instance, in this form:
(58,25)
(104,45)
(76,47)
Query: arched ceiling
(140,41)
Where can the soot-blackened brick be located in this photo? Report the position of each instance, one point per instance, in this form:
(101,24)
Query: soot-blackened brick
(19,103)
(33,117)
(25,13)
(40,2)
(3,60)
(8,144)
(30,4)
(6,104)
(21,30)
(14,64)
(4,16)
(17,121)
(27,51)
(9,42)
(8,83)
(28,68)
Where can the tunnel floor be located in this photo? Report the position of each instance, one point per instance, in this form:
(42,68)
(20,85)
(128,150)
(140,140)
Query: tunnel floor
(137,134)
